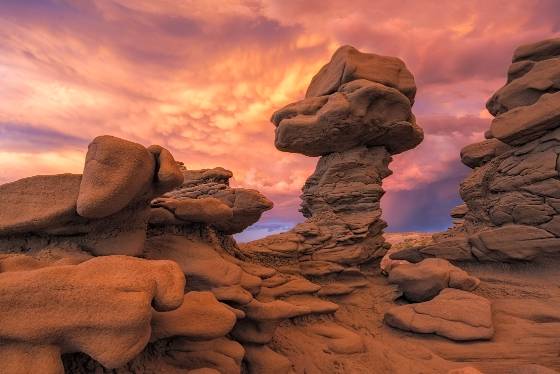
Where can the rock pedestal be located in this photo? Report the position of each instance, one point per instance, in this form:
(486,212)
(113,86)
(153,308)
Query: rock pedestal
(356,114)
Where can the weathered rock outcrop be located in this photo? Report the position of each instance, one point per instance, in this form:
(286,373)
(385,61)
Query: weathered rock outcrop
(103,212)
(58,298)
(512,195)
(356,114)
(191,226)
(132,267)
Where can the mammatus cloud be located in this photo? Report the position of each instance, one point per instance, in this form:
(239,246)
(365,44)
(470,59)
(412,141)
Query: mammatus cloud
(203,81)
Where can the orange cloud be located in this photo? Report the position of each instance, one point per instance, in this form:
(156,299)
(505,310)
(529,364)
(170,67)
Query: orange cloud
(203,79)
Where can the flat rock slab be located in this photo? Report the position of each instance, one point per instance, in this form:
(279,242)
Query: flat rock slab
(477,154)
(526,123)
(538,51)
(454,314)
(513,243)
(540,78)
(293,287)
(315,304)
(37,203)
(424,280)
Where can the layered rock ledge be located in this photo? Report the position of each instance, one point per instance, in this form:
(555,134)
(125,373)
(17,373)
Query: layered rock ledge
(512,198)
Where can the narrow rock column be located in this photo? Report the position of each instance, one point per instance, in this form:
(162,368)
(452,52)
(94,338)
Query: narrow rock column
(356,114)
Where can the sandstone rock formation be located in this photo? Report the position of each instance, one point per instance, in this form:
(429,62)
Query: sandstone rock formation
(356,114)
(424,280)
(191,226)
(103,212)
(131,268)
(511,196)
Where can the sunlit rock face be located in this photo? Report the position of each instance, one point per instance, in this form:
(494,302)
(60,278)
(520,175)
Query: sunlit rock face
(512,196)
(192,226)
(137,254)
(104,211)
(356,114)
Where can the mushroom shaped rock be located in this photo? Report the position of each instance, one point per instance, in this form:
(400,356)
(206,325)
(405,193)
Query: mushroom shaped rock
(541,50)
(348,64)
(200,317)
(424,280)
(37,204)
(454,314)
(169,174)
(361,112)
(116,172)
(106,301)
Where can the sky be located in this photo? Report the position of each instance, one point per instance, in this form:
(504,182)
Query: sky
(202,79)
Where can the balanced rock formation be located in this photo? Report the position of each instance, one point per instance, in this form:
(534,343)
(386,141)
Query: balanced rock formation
(356,114)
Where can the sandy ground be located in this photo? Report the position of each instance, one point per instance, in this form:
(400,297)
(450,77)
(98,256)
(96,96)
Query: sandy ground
(526,314)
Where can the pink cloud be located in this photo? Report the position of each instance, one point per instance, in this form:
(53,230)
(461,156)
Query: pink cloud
(203,80)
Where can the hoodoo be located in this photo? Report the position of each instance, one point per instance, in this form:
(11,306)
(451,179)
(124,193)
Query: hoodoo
(356,114)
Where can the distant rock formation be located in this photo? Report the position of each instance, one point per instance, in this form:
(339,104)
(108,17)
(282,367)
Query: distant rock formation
(512,196)
(356,114)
